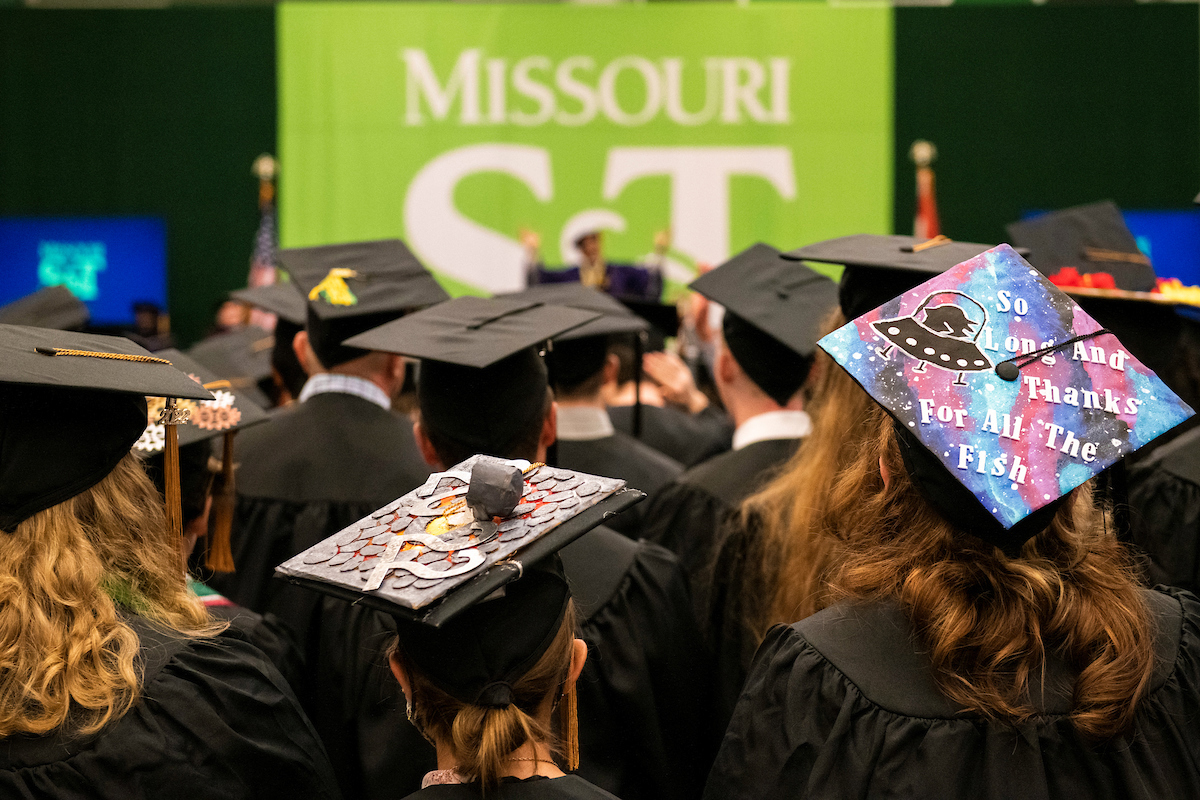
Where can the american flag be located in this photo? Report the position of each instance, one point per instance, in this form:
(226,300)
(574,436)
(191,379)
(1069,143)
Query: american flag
(266,240)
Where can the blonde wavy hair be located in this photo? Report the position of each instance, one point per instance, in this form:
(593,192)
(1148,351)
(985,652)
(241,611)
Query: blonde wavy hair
(990,622)
(67,659)
(482,738)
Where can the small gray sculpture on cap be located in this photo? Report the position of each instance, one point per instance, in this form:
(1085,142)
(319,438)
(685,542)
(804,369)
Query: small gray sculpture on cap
(495,489)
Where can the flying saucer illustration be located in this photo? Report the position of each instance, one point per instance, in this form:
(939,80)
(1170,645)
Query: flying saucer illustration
(942,334)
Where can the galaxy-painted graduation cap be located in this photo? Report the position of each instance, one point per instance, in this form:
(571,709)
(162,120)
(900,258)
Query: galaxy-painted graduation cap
(1090,238)
(773,313)
(284,300)
(1013,389)
(52,307)
(881,267)
(427,557)
(71,406)
(351,288)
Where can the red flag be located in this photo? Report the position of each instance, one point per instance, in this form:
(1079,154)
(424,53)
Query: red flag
(925,223)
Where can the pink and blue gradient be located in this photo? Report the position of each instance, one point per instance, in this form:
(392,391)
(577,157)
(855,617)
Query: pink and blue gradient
(1051,317)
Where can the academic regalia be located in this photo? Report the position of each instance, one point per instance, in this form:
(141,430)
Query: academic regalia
(844,704)
(686,438)
(212,717)
(215,720)
(1164,515)
(50,307)
(639,737)
(620,280)
(568,787)
(476,631)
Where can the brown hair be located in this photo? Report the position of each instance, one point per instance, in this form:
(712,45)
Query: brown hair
(68,659)
(990,622)
(790,516)
(482,738)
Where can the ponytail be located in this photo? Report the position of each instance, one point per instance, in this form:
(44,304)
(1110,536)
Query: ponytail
(483,738)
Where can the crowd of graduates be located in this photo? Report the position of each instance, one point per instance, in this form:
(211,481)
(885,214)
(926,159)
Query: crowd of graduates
(573,542)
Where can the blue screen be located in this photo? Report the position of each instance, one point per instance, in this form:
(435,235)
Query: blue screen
(107,262)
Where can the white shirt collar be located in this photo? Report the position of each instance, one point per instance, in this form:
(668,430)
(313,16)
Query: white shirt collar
(332,382)
(583,423)
(782,424)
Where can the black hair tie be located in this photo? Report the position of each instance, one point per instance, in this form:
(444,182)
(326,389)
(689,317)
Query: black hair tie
(498,694)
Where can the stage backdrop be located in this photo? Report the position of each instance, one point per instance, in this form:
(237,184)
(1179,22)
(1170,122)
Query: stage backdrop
(457,126)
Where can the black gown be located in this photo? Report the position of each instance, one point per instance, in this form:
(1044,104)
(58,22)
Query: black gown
(842,704)
(687,438)
(215,720)
(311,471)
(696,517)
(621,456)
(641,732)
(568,787)
(687,514)
(1164,517)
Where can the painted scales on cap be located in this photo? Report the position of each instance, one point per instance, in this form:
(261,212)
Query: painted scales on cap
(934,358)
(417,549)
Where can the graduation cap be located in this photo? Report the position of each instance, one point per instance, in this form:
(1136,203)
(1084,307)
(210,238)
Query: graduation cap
(71,407)
(351,288)
(880,267)
(51,307)
(477,599)
(482,380)
(225,414)
(241,356)
(283,300)
(773,313)
(1089,239)
(1008,394)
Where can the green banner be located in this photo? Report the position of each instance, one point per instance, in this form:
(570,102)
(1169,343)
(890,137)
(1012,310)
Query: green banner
(455,127)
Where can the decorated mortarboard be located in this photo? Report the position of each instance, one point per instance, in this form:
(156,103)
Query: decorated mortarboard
(284,300)
(1011,390)
(458,538)
(353,287)
(71,406)
(881,267)
(1089,240)
(227,412)
(52,307)
(482,378)
(773,313)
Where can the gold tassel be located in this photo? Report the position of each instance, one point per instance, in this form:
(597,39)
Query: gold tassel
(171,471)
(220,553)
(569,722)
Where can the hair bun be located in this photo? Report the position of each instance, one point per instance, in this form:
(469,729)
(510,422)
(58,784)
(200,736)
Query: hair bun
(498,694)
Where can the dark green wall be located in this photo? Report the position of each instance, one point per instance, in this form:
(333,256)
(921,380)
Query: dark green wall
(144,112)
(1046,107)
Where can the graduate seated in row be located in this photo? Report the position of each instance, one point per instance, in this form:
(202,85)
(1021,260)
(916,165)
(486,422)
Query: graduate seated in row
(485,650)
(116,681)
(484,388)
(989,637)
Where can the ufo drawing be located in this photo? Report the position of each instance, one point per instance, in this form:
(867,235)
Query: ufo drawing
(942,332)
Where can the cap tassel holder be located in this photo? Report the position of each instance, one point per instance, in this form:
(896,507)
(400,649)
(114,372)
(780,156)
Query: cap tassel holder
(220,552)
(171,416)
(569,722)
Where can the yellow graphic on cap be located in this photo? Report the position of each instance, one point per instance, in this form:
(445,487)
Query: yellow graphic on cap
(333,288)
